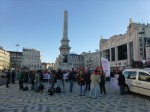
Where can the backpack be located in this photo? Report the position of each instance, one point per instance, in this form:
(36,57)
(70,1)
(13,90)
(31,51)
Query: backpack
(58,90)
(51,91)
(41,87)
(25,88)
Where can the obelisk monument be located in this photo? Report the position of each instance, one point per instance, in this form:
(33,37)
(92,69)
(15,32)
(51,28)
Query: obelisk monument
(64,48)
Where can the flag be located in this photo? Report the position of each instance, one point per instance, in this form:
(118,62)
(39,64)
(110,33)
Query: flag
(105,66)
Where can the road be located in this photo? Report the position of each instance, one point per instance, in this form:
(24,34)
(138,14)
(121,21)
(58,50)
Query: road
(14,100)
(2,80)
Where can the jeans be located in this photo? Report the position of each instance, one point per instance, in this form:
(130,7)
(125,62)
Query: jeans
(59,83)
(13,80)
(7,82)
(82,89)
(102,87)
(94,88)
(122,89)
(87,86)
(21,84)
(63,85)
(36,86)
(71,85)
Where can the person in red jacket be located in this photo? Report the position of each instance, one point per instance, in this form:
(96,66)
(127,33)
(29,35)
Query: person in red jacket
(81,78)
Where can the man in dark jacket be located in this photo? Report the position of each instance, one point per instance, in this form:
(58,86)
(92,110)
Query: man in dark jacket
(72,77)
(13,77)
(20,76)
(121,83)
(88,80)
(8,78)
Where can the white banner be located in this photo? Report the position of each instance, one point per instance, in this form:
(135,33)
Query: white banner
(106,66)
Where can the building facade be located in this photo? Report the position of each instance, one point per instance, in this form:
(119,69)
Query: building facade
(15,59)
(91,60)
(75,61)
(148,52)
(31,59)
(4,59)
(121,50)
(48,66)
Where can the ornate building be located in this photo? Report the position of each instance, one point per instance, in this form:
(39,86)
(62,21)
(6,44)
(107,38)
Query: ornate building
(91,60)
(15,59)
(4,59)
(123,49)
(31,59)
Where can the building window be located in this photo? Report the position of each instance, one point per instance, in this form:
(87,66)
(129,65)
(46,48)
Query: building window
(131,51)
(130,75)
(122,52)
(112,54)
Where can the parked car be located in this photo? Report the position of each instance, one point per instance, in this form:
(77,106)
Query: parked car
(137,80)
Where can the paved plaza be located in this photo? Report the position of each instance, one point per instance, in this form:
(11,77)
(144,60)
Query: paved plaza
(14,100)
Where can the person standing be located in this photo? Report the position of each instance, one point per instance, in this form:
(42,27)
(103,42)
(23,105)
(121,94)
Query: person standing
(121,83)
(102,83)
(13,77)
(71,77)
(64,81)
(20,75)
(37,78)
(59,77)
(8,78)
(53,74)
(88,80)
(81,82)
(95,80)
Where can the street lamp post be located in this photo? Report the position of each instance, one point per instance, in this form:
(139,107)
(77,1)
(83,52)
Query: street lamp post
(143,43)
(16,56)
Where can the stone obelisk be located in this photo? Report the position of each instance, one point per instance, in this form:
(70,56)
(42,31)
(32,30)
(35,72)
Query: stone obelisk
(64,48)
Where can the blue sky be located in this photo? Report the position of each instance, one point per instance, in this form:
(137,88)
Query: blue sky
(38,24)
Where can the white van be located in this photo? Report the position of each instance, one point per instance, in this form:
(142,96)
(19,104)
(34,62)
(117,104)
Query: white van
(137,80)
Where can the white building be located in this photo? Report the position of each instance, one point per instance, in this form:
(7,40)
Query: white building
(47,66)
(123,49)
(4,59)
(148,52)
(91,60)
(31,59)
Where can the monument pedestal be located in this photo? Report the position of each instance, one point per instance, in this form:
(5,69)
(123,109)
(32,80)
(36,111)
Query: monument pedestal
(65,66)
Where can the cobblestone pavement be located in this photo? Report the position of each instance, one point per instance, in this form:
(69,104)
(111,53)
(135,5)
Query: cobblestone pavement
(14,100)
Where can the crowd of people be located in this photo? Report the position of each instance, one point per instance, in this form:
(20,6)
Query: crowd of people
(87,80)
